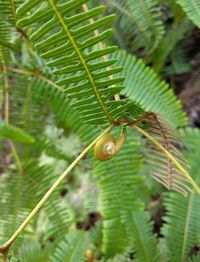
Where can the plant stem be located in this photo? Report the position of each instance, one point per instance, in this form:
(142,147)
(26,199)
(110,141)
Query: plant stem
(178,165)
(6,95)
(5,247)
(4,257)
(16,156)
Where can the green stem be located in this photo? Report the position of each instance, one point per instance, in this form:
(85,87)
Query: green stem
(6,95)
(173,159)
(16,156)
(5,247)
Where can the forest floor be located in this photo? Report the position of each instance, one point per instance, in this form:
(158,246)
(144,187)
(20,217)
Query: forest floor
(187,86)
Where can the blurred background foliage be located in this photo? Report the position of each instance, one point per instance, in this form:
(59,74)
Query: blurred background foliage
(112,211)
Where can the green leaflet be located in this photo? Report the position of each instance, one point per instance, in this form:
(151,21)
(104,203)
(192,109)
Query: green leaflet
(7,10)
(140,21)
(144,242)
(182,216)
(21,192)
(33,252)
(4,43)
(190,137)
(195,258)
(69,44)
(192,9)
(72,248)
(44,88)
(169,43)
(14,133)
(144,86)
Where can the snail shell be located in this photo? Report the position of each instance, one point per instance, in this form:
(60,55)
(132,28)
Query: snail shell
(105,147)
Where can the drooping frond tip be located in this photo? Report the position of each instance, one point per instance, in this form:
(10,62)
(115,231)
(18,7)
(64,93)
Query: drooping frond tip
(165,171)
(70,45)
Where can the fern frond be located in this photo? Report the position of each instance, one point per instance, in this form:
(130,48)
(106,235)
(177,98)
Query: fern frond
(116,179)
(121,258)
(182,228)
(141,21)
(19,193)
(167,173)
(172,37)
(8,8)
(14,133)
(50,149)
(4,43)
(195,258)
(43,88)
(144,87)
(31,114)
(145,244)
(182,215)
(192,10)
(190,137)
(68,42)
(60,216)
(180,63)
(34,252)
(40,99)
(72,249)
(96,236)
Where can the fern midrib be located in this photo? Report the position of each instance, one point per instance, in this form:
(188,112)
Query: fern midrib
(141,240)
(5,83)
(14,152)
(146,10)
(170,164)
(13,10)
(71,258)
(185,235)
(17,199)
(122,201)
(87,70)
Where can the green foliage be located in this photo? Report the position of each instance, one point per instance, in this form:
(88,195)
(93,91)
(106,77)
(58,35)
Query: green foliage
(14,133)
(145,87)
(72,248)
(168,45)
(73,59)
(144,242)
(32,252)
(192,9)
(117,199)
(182,228)
(110,210)
(45,89)
(182,215)
(140,21)
(4,46)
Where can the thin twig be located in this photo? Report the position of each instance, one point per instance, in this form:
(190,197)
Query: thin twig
(173,159)
(6,94)
(4,257)
(21,71)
